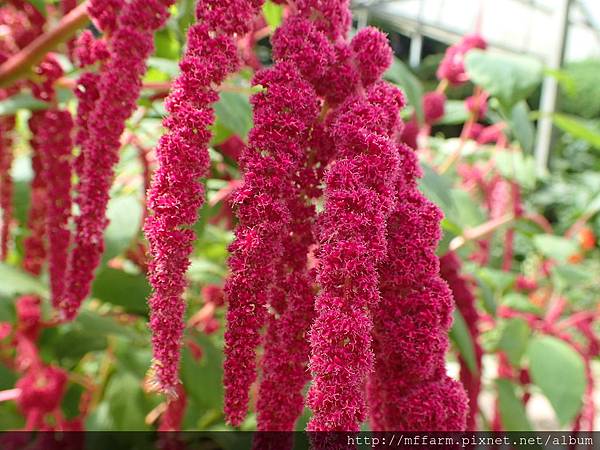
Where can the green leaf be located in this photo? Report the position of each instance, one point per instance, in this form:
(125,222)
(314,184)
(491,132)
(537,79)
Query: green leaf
(559,371)
(16,281)
(517,166)
(203,378)
(40,5)
(272,13)
(400,74)
(123,289)
(455,113)
(555,247)
(125,215)
(100,325)
(512,411)
(460,336)
(520,302)
(514,340)
(521,126)
(11,105)
(126,402)
(234,113)
(164,65)
(509,78)
(577,128)
(437,188)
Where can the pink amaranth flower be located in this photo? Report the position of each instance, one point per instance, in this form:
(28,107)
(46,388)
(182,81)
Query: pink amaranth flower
(450,267)
(452,67)
(434,105)
(34,245)
(410,133)
(104,13)
(176,193)
(372,54)
(409,389)
(130,43)
(42,389)
(56,145)
(6,183)
(283,117)
(48,71)
(89,50)
(477,105)
(359,197)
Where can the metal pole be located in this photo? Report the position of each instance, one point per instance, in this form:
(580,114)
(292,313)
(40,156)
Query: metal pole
(416,41)
(550,92)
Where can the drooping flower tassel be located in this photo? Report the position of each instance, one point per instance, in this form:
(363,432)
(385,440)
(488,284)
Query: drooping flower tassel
(409,390)
(450,269)
(6,184)
(283,117)
(56,145)
(176,193)
(34,245)
(119,86)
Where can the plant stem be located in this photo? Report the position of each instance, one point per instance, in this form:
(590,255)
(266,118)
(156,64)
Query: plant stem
(480,231)
(21,63)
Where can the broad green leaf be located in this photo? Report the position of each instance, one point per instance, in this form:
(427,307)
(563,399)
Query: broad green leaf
(123,289)
(92,322)
(498,280)
(455,113)
(565,80)
(40,5)
(460,336)
(514,340)
(468,211)
(25,100)
(401,75)
(517,166)
(555,247)
(14,281)
(164,65)
(125,215)
(521,126)
(509,78)
(520,302)
(437,188)
(273,14)
(512,411)
(577,128)
(126,402)
(203,378)
(559,371)
(234,113)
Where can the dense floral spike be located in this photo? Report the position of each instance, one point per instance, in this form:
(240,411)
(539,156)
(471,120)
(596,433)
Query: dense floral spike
(450,268)
(130,44)
(56,145)
(176,192)
(283,117)
(434,107)
(452,67)
(6,183)
(359,198)
(409,390)
(34,245)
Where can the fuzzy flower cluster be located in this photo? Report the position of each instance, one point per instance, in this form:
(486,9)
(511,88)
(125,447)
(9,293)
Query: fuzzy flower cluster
(176,192)
(56,144)
(6,183)
(409,389)
(130,43)
(452,67)
(284,113)
(359,199)
(450,269)
(34,245)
